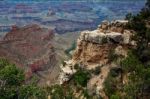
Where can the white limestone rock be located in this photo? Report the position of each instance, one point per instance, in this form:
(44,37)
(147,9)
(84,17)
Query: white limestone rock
(97,37)
(66,71)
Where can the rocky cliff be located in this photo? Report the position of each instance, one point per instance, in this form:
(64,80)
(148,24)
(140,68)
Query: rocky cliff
(30,48)
(96,48)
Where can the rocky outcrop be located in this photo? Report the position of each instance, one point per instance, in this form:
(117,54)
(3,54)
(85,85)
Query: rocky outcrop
(94,49)
(67,70)
(30,48)
(94,46)
(100,38)
(114,26)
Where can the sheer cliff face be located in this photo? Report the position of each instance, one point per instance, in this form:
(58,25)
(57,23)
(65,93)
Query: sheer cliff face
(92,53)
(93,47)
(29,48)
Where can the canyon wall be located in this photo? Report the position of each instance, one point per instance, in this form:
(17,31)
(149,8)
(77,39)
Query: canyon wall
(30,48)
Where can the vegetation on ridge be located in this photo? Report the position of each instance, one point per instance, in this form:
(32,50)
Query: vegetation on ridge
(12,85)
(130,81)
(134,82)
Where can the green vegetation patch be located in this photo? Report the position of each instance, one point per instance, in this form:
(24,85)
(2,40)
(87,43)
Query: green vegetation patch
(81,77)
(12,83)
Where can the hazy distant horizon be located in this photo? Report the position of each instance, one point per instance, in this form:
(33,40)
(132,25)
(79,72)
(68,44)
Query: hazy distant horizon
(64,15)
(69,0)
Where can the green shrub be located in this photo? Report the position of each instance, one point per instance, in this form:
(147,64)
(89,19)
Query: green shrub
(31,92)
(115,96)
(130,62)
(11,74)
(3,63)
(60,92)
(56,92)
(110,86)
(12,84)
(81,77)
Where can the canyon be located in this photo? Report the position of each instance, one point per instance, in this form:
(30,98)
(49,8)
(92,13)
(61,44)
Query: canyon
(64,16)
(31,49)
(98,49)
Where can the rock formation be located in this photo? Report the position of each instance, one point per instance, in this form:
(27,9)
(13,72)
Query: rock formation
(30,48)
(94,47)
(114,26)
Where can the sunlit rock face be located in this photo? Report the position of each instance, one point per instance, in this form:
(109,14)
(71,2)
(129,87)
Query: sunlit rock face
(100,37)
(30,48)
(94,47)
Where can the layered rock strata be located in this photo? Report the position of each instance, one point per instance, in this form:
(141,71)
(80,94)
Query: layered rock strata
(30,48)
(94,46)
(93,49)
